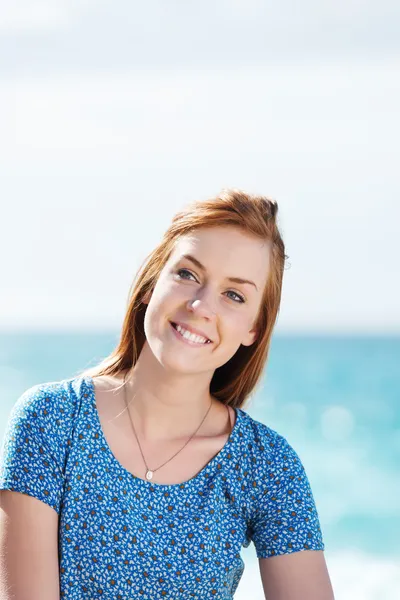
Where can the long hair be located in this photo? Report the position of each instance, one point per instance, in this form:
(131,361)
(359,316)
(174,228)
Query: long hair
(233,382)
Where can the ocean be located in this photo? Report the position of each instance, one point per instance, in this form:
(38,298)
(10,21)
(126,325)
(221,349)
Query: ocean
(336,399)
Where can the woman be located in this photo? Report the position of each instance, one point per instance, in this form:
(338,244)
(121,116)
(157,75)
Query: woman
(143,477)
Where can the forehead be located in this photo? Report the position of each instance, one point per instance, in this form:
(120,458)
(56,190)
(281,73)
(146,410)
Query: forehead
(228,252)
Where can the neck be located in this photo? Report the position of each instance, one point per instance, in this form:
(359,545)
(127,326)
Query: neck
(166,406)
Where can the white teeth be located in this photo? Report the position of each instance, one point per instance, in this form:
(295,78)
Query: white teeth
(191,336)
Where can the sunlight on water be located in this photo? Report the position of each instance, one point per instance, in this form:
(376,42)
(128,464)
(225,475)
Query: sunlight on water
(337,423)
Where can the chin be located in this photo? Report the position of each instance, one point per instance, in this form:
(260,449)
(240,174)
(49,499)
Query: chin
(183,367)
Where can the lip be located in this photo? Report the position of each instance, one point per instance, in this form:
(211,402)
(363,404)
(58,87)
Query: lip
(192,329)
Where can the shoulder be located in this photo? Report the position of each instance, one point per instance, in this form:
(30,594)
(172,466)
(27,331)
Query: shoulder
(283,515)
(47,400)
(37,439)
(271,459)
(265,443)
(45,411)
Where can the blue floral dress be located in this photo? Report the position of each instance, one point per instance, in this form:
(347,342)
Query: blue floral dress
(122,537)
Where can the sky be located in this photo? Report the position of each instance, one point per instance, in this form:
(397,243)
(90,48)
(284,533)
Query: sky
(113,116)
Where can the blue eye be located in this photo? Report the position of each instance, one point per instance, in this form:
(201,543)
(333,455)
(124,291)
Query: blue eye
(240,300)
(184,270)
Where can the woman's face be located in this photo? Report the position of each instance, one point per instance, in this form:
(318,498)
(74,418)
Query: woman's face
(204,293)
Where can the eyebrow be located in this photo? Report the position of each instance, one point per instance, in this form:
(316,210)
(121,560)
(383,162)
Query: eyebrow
(202,267)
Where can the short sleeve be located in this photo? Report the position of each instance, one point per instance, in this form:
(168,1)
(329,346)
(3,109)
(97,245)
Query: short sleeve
(33,451)
(285,517)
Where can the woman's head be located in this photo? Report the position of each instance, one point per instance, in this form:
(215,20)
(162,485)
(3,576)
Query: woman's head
(217,270)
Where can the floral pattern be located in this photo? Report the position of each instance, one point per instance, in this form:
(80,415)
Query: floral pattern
(122,537)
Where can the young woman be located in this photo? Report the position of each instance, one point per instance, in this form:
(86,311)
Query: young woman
(143,477)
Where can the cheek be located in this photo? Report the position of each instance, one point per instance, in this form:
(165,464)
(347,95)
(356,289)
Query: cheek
(162,306)
(162,295)
(167,292)
(235,327)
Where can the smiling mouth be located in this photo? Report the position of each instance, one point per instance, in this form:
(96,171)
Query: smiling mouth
(187,339)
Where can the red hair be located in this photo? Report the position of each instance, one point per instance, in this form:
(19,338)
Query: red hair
(233,382)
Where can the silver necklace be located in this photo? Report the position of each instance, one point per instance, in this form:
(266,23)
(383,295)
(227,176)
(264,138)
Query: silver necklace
(149,472)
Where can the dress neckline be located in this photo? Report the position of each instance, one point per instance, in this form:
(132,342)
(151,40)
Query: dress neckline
(215,463)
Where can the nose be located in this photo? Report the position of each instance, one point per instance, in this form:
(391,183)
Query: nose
(201,307)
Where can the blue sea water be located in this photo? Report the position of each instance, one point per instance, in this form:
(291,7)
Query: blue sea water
(335,399)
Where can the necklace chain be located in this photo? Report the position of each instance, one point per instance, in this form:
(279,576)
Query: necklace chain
(149,472)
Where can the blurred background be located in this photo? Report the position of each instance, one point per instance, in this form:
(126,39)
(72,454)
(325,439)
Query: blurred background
(113,116)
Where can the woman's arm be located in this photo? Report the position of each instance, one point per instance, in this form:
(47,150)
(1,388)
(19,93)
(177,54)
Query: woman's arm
(29,568)
(296,576)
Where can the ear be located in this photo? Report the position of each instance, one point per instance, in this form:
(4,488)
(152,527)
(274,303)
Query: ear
(250,337)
